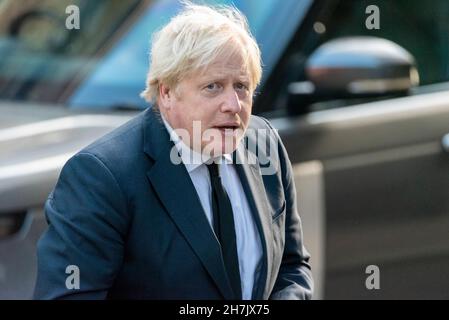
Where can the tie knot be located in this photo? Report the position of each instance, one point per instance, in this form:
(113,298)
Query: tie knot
(213,170)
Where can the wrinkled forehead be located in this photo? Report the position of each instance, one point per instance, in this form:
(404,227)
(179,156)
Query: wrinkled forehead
(226,67)
(229,62)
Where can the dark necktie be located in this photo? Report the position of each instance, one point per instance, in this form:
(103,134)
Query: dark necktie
(224,228)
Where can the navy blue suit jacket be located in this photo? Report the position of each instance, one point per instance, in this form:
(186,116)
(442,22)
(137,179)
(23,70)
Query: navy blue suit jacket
(133,224)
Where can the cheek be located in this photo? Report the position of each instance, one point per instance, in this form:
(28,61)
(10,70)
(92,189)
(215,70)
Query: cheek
(206,115)
(246,113)
(179,118)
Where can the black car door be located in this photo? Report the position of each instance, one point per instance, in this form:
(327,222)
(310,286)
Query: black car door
(372,175)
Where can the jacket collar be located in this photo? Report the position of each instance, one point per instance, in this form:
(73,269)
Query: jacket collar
(248,170)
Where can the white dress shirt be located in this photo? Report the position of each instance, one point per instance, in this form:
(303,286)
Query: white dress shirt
(249,246)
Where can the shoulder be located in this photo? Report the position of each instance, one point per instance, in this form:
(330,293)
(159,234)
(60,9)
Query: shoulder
(258,122)
(262,133)
(114,153)
(120,141)
(264,142)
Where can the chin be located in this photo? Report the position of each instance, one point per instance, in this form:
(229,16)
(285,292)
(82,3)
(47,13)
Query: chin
(229,144)
(218,149)
(222,143)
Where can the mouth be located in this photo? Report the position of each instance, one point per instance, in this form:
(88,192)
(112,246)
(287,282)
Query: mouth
(227,128)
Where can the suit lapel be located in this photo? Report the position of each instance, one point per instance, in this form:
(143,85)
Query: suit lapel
(178,195)
(250,176)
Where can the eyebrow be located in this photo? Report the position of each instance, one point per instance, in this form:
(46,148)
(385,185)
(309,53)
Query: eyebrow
(207,79)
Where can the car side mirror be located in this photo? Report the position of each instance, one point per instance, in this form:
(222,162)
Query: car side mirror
(355,67)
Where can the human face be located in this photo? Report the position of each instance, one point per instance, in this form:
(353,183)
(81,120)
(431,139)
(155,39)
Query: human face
(213,106)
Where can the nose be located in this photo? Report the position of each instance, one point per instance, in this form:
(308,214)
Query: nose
(231,102)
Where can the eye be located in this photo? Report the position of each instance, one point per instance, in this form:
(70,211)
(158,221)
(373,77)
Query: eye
(241,86)
(212,87)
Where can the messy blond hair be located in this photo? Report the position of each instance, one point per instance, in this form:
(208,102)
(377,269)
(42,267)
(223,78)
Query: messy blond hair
(193,39)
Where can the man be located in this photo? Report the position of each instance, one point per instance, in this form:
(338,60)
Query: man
(175,204)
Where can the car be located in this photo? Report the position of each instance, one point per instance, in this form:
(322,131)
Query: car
(362,108)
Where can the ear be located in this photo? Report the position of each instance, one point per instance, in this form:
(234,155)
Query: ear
(165,96)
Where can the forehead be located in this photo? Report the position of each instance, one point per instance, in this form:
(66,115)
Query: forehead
(225,66)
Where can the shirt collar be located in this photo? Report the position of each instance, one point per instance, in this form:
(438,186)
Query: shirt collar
(189,157)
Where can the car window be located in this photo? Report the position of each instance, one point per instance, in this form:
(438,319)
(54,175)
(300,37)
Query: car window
(120,77)
(421,27)
(104,63)
(40,56)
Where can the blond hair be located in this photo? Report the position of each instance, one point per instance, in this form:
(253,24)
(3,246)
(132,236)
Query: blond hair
(193,39)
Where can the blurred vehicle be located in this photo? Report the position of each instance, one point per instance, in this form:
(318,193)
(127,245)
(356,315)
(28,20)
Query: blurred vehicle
(367,135)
